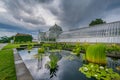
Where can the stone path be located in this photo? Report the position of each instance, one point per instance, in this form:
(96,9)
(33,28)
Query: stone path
(2,45)
(22,72)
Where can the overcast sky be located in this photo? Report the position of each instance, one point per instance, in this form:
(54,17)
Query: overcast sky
(28,16)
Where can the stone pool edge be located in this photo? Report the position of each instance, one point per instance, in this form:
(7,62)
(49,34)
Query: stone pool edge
(22,73)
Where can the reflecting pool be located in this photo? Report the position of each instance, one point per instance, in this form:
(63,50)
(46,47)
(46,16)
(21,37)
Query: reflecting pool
(67,69)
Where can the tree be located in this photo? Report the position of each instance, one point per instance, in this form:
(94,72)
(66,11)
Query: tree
(5,39)
(97,21)
(19,38)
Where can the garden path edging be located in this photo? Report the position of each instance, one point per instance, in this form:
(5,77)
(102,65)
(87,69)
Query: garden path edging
(22,73)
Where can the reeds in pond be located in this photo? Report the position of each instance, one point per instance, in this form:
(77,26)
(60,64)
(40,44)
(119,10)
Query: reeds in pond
(96,54)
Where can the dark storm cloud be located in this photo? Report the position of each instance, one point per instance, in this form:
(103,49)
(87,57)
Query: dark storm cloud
(44,1)
(20,7)
(68,13)
(79,12)
(13,28)
(74,13)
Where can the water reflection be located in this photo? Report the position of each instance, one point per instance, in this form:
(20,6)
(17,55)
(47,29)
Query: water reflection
(66,69)
(40,62)
(53,72)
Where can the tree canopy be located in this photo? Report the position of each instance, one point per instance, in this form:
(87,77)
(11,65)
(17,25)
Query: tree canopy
(96,21)
(5,39)
(19,38)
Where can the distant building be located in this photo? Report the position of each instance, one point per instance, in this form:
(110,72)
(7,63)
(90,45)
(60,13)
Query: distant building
(11,41)
(51,34)
(41,36)
(104,33)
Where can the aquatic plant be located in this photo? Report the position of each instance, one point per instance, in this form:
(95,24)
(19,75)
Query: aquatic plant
(118,68)
(114,49)
(99,72)
(41,51)
(96,54)
(70,57)
(54,51)
(29,47)
(60,48)
(53,61)
(77,49)
(84,47)
(53,72)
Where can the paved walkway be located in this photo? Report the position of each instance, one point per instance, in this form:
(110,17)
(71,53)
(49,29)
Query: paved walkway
(2,45)
(22,72)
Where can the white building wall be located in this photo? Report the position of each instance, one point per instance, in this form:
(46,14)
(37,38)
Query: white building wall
(105,33)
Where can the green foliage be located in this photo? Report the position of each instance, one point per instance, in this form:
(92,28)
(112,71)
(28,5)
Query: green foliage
(85,45)
(58,46)
(41,51)
(40,54)
(70,57)
(11,46)
(7,67)
(5,39)
(97,21)
(53,61)
(96,54)
(54,51)
(99,72)
(20,38)
(29,46)
(77,49)
(113,49)
(118,68)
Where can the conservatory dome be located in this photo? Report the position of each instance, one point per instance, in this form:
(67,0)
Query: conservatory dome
(55,28)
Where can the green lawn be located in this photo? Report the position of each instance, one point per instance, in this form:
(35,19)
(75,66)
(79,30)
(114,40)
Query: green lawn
(7,67)
(11,46)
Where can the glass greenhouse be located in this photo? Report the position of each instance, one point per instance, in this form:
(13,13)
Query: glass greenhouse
(106,33)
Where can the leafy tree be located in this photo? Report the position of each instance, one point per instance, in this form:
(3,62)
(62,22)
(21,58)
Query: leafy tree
(5,39)
(19,38)
(97,21)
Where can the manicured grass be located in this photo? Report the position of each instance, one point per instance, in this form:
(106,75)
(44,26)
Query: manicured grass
(11,46)
(7,68)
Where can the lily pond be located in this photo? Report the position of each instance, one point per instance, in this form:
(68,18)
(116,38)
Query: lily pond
(68,66)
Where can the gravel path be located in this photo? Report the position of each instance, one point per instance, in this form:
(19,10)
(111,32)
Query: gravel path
(2,45)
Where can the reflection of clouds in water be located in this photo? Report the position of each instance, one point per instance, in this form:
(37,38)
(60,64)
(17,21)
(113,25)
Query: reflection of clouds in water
(32,64)
(67,70)
(39,73)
